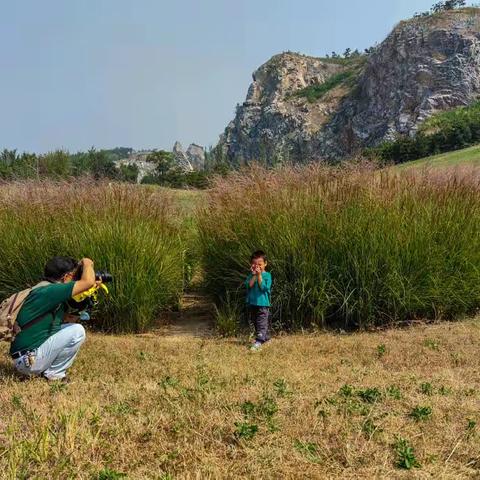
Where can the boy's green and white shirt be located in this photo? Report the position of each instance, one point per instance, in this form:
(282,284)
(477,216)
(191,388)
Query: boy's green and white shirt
(257,295)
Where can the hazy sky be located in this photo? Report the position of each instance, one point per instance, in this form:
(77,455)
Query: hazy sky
(144,73)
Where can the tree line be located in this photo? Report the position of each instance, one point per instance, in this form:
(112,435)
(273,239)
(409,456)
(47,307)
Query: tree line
(60,164)
(102,164)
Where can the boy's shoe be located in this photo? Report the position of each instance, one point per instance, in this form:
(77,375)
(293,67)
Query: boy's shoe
(255,346)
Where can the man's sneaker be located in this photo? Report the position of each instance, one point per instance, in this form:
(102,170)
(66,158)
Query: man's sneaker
(255,346)
(64,379)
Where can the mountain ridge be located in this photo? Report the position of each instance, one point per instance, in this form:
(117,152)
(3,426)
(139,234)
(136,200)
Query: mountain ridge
(425,65)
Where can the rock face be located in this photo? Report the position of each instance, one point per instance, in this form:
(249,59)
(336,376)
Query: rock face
(181,157)
(139,159)
(272,122)
(192,159)
(424,66)
(196,155)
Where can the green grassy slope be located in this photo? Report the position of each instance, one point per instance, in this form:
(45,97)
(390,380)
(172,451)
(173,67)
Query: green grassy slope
(466,156)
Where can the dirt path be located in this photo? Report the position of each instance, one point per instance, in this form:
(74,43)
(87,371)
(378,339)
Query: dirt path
(195,318)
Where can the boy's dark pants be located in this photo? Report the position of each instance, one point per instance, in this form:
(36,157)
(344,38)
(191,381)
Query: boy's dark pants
(259,316)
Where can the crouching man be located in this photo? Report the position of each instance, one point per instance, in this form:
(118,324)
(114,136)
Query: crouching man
(47,346)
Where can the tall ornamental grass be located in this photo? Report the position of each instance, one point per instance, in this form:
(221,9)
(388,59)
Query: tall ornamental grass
(134,232)
(349,247)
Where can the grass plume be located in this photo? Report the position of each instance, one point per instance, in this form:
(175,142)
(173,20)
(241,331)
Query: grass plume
(354,246)
(134,232)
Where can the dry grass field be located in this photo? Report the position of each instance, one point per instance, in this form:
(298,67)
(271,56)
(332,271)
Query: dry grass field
(306,406)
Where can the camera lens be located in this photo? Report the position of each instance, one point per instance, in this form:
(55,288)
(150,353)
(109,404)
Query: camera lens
(104,276)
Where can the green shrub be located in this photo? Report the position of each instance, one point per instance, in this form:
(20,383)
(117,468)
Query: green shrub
(108,474)
(420,413)
(394,392)
(316,91)
(443,132)
(405,454)
(351,247)
(134,232)
(370,395)
(245,430)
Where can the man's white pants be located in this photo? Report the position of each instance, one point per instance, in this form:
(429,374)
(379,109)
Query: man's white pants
(54,356)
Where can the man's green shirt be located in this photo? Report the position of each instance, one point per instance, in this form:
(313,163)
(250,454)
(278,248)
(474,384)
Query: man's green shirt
(259,295)
(48,301)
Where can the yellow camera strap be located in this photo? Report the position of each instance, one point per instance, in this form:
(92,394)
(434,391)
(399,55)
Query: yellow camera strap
(91,293)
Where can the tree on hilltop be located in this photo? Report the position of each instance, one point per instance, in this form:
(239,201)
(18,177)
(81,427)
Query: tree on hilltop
(444,6)
(448,5)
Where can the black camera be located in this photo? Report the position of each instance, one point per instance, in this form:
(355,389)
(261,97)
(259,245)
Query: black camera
(84,307)
(102,275)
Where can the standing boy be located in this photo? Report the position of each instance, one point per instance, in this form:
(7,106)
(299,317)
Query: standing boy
(259,283)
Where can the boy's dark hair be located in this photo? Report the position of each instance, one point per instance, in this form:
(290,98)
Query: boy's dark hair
(258,254)
(57,267)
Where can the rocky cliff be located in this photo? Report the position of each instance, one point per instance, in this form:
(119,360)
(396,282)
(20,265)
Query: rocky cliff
(191,159)
(304,108)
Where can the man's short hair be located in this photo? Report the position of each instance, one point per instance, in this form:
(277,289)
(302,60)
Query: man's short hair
(57,267)
(258,254)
